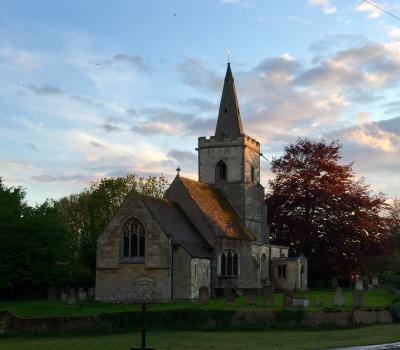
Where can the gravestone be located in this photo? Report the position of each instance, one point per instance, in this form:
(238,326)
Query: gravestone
(375,282)
(250,296)
(229,295)
(72,296)
(268,294)
(339,297)
(358,299)
(52,294)
(359,285)
(287,298)
(63,295)
(91,292)
(300,303)
(203,295)
(334,283)
(82,295)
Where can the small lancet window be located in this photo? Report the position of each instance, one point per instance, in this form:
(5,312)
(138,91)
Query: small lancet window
(226,110)
(221,172)
(253,175)
(133,241)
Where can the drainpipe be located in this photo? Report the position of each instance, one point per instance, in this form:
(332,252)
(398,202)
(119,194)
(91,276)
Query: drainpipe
(172,269)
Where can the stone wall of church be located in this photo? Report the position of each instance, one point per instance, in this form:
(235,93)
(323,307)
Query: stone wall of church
(117,280)
(201,270)
(132,282)
(248,269)
(182,274)
(296,273)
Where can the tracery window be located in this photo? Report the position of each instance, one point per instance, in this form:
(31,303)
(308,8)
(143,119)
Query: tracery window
(133,239)
(221,172)
(229,264)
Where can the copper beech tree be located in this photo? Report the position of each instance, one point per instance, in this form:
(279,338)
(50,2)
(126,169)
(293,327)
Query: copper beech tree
(318,207)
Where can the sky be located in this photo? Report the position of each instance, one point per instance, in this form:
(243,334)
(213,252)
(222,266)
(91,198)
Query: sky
(100,88)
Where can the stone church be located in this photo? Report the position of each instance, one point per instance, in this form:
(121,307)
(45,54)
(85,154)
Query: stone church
(209,233)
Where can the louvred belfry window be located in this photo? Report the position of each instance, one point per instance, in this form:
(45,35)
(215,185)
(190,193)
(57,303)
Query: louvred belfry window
(221,172)
(133,239)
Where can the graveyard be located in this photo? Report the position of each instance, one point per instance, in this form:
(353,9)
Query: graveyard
(318,299)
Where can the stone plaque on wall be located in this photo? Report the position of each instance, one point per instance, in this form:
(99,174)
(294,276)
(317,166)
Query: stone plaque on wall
(143,288)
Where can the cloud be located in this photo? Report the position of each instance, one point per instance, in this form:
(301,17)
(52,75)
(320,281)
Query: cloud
(31,146)
(182,156)
(372,11)
(198,74)
(108,127)
(135,61)
(170,122)
(324,5)
(86,179)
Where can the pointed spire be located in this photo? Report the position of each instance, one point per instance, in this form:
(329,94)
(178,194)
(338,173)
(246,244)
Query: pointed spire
(229,122)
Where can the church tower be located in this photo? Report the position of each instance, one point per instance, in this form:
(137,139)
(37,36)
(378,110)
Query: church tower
(230,161)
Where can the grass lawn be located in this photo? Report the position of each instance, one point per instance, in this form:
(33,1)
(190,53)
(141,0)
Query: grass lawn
(271,340)
(36,308)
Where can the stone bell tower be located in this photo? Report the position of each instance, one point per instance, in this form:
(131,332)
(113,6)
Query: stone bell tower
(230,161)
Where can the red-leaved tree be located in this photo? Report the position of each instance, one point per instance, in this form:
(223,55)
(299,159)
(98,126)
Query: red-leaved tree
(317,207)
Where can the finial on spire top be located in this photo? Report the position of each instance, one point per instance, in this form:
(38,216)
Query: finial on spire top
(229,56)
(178,169)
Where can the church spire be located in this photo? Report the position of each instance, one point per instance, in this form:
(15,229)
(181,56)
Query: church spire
(229,122)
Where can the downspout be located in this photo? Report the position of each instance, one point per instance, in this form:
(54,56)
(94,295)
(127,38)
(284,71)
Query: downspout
(172,269)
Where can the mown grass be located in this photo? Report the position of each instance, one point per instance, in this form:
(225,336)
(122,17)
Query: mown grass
(43,308)
(271,340)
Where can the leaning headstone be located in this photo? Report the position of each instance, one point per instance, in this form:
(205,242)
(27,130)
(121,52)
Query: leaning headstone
(91,292)
(72,296)
(52,294)
(375,282)
(82,295)
(250,296)
(64,295)
(268,294)
(358,299)
(203,295)
(359,285)
(339,297)
(229,295)
(287,298)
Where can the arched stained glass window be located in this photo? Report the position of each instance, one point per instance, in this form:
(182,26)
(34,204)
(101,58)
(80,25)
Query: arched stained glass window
(133,242)
(229,264)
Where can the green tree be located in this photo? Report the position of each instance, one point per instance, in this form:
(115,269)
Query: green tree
(34,246)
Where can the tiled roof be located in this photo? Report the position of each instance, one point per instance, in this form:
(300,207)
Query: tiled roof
(217,209)
(176,224)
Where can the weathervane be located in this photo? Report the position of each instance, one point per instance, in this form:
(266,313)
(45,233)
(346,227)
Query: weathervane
(178,169)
